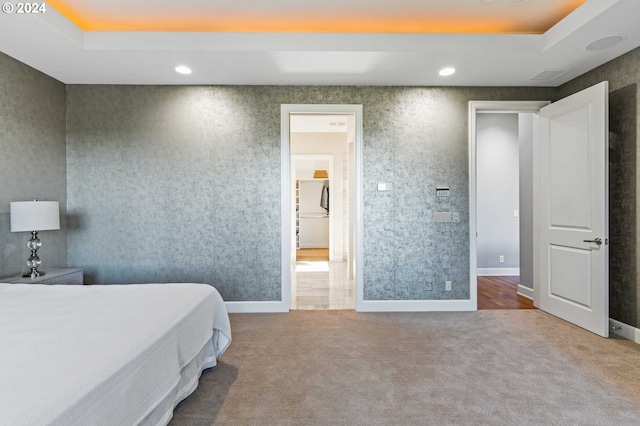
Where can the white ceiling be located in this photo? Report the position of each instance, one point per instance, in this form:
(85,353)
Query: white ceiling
(54,45)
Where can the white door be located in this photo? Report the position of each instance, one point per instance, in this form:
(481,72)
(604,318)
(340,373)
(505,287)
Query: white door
(574,213)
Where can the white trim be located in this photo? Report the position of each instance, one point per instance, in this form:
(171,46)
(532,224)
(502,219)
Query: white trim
(359,209)
(625,331)
(525,291)
(287,257)
(417,306)
(507,106)
(536,210)
(476,107)
(255,307)
(498,272)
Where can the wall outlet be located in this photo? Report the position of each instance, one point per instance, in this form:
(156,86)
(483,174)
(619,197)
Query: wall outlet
(429,285)
(447,285)
(455,217)
(501,259)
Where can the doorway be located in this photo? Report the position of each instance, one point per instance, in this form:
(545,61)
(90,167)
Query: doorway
(319,200)
(322,206)
(501,203)
(320,170)
(570,204)
(504,184)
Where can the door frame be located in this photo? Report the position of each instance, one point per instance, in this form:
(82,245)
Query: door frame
(499,107)
(287,256)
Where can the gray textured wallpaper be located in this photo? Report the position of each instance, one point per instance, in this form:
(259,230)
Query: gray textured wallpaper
(183,184)
(32,160)
(623,75)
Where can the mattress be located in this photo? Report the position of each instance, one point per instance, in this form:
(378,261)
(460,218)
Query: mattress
(105,354)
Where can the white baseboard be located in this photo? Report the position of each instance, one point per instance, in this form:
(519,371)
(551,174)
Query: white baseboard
(483,272)
(255,307)
(367,306)
(416,306)
(525,291)
(623,330)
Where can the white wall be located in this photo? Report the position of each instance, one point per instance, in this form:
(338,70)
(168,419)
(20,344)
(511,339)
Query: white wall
(498,190)
(305,168)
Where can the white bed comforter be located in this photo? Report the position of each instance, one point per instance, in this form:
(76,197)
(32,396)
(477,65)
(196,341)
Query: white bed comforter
(105,354)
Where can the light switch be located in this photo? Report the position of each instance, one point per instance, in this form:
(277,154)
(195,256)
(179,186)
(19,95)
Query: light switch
(516,213)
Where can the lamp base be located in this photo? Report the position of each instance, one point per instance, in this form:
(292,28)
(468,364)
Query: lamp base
(34,261)
(33,274)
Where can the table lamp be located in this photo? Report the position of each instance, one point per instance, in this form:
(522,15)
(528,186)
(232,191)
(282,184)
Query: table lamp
(34,216)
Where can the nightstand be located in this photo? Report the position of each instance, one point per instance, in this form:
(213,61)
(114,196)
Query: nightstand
(51,276)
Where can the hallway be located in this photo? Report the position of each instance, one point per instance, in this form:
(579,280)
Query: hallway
(321,285)
(501,293)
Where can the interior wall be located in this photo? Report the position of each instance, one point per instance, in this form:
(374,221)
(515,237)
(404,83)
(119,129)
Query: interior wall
(32,160)
(525,138)
(318,143)
(182,183)
(623,74)
(497,190)
(305,168)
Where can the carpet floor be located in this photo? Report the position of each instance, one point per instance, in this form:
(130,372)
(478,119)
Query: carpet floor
(496,367)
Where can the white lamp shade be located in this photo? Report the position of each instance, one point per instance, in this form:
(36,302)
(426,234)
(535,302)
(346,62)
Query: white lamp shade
(35,216)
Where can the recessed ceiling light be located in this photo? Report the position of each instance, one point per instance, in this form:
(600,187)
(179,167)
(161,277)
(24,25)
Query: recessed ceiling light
(183,69)
(604,43)
(447,71)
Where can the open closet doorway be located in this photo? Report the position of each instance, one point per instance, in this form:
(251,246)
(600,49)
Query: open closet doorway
(318,219)
(502,138)
(322,150)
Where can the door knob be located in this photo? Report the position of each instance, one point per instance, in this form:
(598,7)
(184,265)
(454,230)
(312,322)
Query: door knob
(598,241)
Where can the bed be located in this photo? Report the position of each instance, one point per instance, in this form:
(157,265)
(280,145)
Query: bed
(105,354)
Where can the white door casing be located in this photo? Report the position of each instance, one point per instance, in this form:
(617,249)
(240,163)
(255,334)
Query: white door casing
(288,252)
(574,275)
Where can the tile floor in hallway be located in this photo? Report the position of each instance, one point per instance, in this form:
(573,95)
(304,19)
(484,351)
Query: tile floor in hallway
(322,285)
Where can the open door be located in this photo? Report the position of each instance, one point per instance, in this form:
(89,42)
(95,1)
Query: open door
(574,209)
